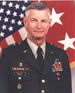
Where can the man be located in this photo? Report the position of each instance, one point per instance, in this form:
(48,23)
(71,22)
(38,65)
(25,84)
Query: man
(34,66)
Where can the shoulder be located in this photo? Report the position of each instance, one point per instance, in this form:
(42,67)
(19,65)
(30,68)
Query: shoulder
(55,49)
(14,49)
(11,48)
(8,51)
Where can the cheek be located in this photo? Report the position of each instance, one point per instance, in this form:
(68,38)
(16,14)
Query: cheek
(46,28)
(30,26)
(46,31)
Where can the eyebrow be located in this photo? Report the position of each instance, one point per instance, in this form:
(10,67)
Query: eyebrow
(37,19)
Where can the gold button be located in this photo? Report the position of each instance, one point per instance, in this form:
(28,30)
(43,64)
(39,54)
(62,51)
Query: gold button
(43,80)
(42,91)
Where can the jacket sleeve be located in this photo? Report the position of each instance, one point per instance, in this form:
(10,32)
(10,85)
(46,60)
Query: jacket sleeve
(4,73)
(67,84)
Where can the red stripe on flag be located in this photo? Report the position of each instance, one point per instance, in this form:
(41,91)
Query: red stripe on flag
(3,44)
(17,37)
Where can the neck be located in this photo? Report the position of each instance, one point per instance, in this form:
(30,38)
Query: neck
(38,42)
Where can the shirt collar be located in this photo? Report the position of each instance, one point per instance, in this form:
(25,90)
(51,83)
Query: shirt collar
(34,47)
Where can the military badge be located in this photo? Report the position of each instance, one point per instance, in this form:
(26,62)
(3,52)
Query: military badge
(57,67)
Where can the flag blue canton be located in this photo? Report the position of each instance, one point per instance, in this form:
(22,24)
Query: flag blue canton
(11,16)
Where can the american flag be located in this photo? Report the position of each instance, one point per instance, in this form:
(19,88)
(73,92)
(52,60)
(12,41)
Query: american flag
(61,33)
(11,25)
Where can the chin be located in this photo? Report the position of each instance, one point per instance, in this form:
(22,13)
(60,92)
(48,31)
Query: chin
(39,38)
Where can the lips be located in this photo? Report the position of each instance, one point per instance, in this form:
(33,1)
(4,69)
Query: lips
(38,31)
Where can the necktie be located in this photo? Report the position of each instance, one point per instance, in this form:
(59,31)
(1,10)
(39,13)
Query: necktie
(40,58)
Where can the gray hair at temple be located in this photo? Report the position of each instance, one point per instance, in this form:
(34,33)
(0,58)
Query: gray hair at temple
(37,6)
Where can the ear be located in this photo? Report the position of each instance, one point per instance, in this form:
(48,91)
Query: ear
(24,20)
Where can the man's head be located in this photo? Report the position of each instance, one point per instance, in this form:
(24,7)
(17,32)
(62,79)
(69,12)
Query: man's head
(38,6)
(37,21)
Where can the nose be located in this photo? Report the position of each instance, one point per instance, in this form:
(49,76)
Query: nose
(39,24)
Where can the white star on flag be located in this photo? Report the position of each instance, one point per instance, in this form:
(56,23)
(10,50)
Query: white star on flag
(68,42)
(10,28)
(4,27)
(17,6)
(1,34)
(1,10)
(19,22)
(15,14)
(3,3)
(6,19)
(8,12)
(13,21)
(56,17)
(21,15)
(10,4)
(23,8)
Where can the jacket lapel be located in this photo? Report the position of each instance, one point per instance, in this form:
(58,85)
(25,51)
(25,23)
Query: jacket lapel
(28,56)
(49,59)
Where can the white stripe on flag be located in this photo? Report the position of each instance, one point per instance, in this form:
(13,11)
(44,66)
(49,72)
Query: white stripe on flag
(0,52)
(0,49)
(23,33)
(10,40)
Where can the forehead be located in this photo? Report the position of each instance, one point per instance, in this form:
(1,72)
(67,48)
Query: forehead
(33,13)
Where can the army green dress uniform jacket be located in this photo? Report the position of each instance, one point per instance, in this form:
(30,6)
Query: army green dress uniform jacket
(20,73)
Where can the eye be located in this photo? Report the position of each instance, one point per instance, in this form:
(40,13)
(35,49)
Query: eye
(44,21)
(33,20)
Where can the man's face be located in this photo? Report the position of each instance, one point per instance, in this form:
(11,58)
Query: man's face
(37,23)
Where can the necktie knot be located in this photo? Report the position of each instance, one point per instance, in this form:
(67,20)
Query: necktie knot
(39,51)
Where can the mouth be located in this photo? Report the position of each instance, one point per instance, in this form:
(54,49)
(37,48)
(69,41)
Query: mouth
(39,31)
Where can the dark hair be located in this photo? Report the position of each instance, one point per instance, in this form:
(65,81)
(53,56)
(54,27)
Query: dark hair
(38,6)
